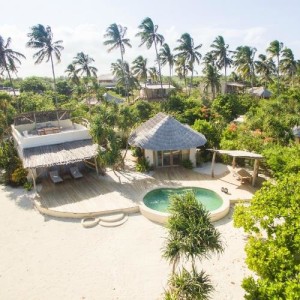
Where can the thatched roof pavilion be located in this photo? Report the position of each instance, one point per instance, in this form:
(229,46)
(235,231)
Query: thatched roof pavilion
(163,132)
(59,154)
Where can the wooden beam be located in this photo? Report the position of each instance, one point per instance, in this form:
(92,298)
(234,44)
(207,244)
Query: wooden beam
(255,171)
(213,164)
(33,179)
(96,165)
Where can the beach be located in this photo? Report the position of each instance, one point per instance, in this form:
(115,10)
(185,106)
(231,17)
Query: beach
(50,258)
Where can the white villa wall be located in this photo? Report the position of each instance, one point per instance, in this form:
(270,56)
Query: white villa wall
(193,156)
(74,133)
(149,155)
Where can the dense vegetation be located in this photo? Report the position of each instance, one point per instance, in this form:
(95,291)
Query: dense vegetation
(272,219)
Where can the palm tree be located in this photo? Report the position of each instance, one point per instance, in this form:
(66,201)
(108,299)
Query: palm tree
(244,62)
(181,69)
(72,74)
(149,36)
(191,236)
(83,63)
(212,79)
(274,50)
(221,54)
(115,35)
(189,52)
(153,74)
(9,59)
(41,38)
(139,68)
(166,56)
(265,67)
(288,64)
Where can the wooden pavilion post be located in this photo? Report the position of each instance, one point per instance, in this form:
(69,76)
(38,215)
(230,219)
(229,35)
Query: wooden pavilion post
(213,164)
(96,165)
(33,180)
(255,171)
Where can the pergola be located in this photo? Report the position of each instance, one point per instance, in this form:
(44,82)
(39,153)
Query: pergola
(238,153)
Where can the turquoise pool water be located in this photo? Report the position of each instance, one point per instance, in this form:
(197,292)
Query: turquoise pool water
(159,199)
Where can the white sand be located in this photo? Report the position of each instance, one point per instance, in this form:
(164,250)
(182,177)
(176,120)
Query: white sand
(46,258)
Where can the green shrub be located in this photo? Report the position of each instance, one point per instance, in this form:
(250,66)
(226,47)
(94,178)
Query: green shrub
(187,164)
(19,176)
(137,152)
(142,165)
(28,185)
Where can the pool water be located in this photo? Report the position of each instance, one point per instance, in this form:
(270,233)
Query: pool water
(159,199)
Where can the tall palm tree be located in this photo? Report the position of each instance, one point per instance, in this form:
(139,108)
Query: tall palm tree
(166,57)
(72,74)
(115,35)
(181,69)
(274,50)
(139,68)
(9,59)
(41,38)
(189,52)
(154,74)
(288,64)
(244,62)
(221,53)
(150,36)
(82,63)
(265,67)
(211,79)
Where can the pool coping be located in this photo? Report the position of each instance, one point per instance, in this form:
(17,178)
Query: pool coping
(162,218)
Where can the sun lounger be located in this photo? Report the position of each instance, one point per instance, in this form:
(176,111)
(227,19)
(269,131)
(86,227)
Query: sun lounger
(75,173)
(55,177)
(244,175)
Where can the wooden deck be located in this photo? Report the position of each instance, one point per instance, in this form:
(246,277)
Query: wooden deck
(95,195)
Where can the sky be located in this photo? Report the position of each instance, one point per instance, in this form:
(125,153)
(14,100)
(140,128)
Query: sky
(82,24)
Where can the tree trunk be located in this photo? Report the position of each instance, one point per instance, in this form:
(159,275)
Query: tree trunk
(277,74)
(170,76)
(225,75)
(54,81)
(125,77)
(191,83)
(158,61)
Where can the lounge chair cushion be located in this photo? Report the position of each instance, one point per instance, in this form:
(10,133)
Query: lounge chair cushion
(55,177)
(75,172)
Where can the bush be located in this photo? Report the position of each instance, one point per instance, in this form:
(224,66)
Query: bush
(137,152)
(142,165)
(187,164)
(19,176)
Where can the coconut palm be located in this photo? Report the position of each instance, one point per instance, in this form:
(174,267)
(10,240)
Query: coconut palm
(212,79)
(82,63)
(221,53)
(9,59)
(166,57)
(181,69)
(274,50)
(244,62)
(115,35)
(288,64)
(189,52)
(139,68)
(41,38)
(154,74)
(72,74)
(150,36)
(265,67)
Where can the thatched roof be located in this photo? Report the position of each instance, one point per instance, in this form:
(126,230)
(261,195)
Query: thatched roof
(163,132)
(60,154)
(260,92)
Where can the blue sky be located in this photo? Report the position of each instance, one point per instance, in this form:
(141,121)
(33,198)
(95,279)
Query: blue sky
(81,25)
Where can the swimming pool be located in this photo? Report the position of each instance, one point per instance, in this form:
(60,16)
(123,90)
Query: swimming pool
(155,203)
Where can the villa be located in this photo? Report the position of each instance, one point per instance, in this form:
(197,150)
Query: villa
(167,142)
(155,91)
(49,140)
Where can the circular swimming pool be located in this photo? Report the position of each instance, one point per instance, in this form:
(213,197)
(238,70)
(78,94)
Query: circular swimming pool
(156,202)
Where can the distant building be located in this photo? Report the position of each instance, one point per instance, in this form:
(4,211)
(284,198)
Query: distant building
(108,81)
(260,92)
(155,91)
(234,88)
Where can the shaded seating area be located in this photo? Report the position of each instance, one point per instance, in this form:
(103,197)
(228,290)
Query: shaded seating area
(243,175)
(55,176)
(75,173)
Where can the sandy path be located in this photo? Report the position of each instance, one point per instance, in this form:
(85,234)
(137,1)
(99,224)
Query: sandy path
(45,258)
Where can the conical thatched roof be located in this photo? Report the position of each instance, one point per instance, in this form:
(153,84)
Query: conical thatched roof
(163,132)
